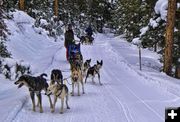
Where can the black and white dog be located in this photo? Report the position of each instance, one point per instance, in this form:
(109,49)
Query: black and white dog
(86,66)
(35,86)
(94,70)
(58,89)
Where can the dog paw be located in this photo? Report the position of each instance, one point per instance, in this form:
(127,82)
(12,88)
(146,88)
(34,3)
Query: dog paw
(72,93)
(52,111)
(41,111)
(68,107)
(34,109)
(61,112)
(101,84)
(83,92)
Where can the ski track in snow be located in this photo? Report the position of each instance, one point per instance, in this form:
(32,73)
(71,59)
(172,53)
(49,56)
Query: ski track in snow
(133,93)
(115,99)
(126,109)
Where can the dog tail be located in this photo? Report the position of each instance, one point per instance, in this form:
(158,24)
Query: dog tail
(44,74)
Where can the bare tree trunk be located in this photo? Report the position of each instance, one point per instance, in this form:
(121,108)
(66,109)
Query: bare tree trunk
(169,36)
(56,7)
(21,4)
(177,73)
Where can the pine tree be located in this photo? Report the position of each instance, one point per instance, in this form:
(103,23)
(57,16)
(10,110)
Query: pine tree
(99,13)
(130,16)
(3,33)
(154,37)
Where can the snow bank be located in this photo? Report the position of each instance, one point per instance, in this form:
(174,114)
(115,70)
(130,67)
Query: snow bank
(150,74)
(12,68)
(22,17)
(25,41)
(11,100)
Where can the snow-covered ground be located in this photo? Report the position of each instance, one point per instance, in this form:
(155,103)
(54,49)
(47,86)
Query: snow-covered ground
(127,94)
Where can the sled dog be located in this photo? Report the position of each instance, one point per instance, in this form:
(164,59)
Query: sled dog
(58,91)
(56,76)
(92,71)
(35,86)
(77,78)
(86,66)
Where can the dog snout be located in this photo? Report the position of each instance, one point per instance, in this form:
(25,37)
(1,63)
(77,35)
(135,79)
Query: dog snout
(75,78)
(48,92)
(17,82)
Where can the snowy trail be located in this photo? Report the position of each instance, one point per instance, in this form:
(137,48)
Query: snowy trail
(124,96)
(89,106)
(131,89)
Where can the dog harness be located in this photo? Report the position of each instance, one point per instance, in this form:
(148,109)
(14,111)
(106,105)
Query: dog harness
(60,90)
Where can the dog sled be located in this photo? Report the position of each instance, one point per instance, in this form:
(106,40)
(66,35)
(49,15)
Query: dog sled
(74,53)
(86,40)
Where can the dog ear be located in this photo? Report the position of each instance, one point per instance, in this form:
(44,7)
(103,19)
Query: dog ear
(97,62)
(90,60)
(101,62)
(75,68)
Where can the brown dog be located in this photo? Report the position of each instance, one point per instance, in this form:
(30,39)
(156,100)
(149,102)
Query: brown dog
(77,78)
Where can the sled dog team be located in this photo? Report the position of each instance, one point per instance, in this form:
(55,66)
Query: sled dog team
(57,88)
